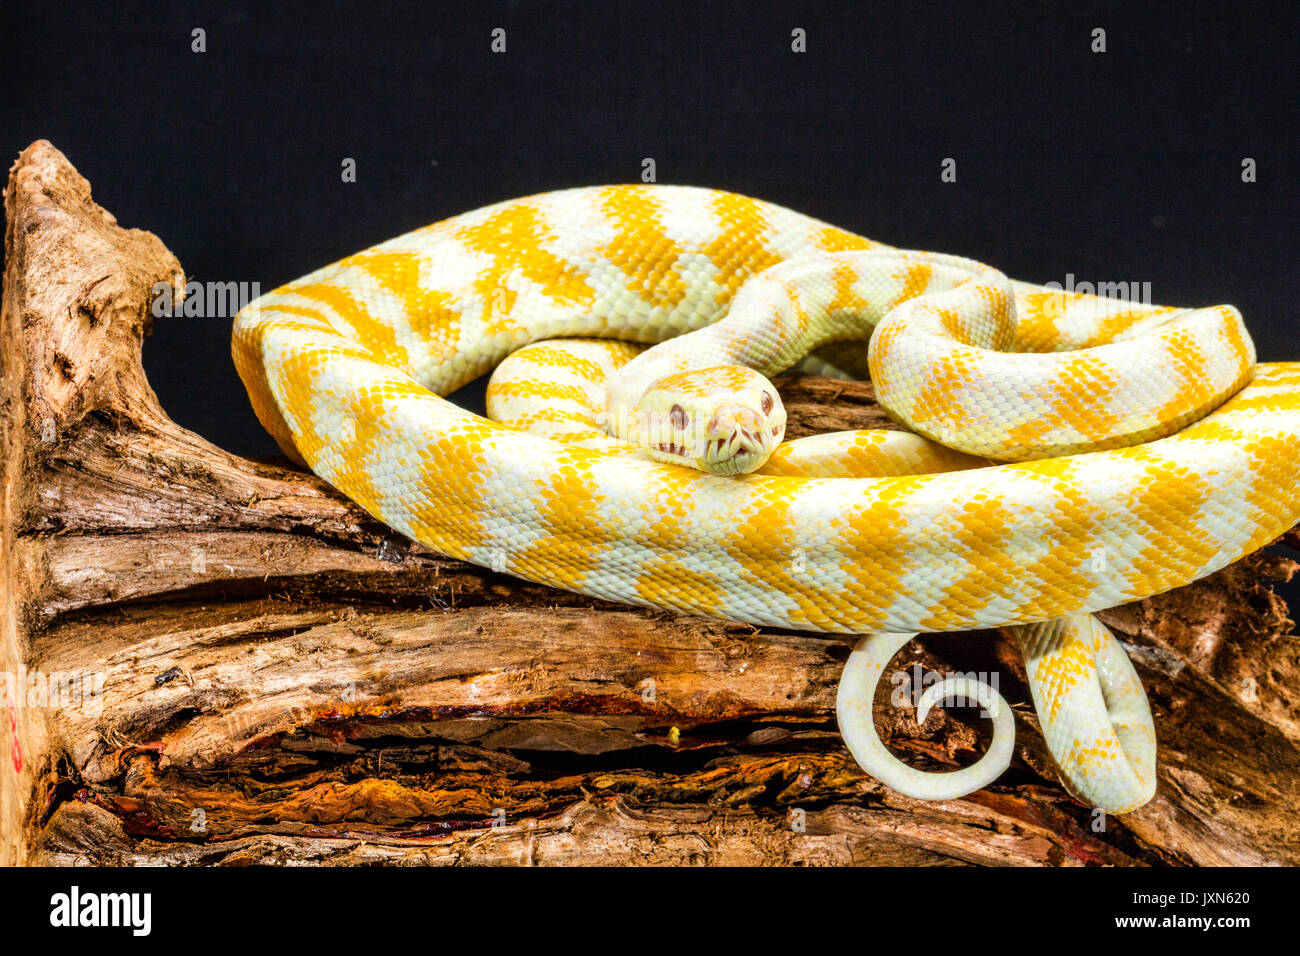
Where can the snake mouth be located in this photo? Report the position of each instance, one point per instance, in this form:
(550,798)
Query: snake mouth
(740,452)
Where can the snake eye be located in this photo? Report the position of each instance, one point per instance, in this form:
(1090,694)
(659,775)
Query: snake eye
(766,403)
(677,417)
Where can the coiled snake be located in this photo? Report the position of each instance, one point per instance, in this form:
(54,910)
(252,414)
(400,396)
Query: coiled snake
(1064,453)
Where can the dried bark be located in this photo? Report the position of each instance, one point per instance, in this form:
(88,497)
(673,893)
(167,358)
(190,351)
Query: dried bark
(286,680)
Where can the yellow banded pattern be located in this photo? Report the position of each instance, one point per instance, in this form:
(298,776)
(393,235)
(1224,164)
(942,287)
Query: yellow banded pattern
(345,368)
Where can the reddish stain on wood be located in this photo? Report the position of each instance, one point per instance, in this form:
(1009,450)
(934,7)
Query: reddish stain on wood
(15,748)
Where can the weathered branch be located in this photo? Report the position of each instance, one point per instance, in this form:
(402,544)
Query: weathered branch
(267,674)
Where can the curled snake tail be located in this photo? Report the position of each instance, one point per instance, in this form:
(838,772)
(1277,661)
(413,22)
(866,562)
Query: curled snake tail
(853,706)
(962,689)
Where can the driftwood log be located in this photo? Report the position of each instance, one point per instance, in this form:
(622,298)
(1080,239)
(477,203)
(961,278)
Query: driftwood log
(221,660)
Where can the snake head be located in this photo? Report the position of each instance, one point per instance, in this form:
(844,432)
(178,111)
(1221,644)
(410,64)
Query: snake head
(725,420)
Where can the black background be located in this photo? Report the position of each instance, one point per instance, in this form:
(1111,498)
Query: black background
(1124,165)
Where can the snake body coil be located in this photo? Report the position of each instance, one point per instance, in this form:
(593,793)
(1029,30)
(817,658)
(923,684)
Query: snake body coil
(1142,448)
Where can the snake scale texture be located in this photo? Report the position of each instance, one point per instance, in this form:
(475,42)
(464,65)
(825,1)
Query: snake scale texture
(1064,453)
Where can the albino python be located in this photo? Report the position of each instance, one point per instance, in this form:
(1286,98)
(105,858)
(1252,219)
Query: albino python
(1063,453)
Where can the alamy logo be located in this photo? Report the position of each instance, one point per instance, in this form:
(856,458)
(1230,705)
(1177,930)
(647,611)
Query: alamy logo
(1136,293)
(909,688)
(59,690)
(75,908)
(203,300)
